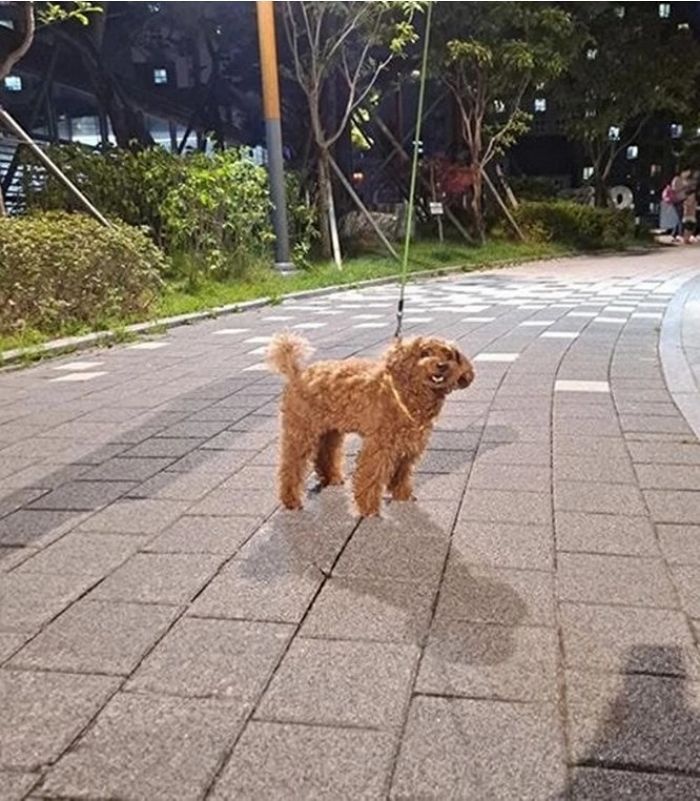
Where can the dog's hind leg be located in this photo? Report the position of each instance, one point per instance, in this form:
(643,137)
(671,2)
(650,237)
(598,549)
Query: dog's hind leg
(374,469)
(401,483)
(329,459)
(295,454)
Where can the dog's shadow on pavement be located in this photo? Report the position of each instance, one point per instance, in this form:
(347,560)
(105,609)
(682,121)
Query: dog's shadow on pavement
(392,578)
(635,734)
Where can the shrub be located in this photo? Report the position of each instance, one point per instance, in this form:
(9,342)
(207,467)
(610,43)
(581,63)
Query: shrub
(585,227)
(172,195)
(60,272)
(528,187)
(129,185)
(220,214)
(303,222)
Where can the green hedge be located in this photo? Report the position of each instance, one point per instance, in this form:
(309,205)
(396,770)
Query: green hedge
(213,210)
(585,227)
(60,272)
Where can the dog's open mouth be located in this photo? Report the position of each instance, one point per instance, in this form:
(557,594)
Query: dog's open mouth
(438,379)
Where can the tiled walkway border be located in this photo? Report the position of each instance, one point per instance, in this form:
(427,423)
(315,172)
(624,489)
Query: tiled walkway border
(681,324)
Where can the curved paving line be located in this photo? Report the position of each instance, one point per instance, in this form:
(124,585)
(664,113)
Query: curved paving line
(682,382)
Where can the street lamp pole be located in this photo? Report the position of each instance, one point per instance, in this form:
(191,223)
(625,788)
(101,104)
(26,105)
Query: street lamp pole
(273,131)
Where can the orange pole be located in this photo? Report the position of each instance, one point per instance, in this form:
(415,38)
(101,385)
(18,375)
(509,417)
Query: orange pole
(268,59)
(273,131)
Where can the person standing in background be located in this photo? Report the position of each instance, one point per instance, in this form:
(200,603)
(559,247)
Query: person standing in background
(671,207)
(690,207)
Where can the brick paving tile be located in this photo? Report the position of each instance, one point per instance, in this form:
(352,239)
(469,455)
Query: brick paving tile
(505,544)
(82,495)
(459,748)
(613,534)
(251,590)
(27,601)
(135,516)
(482,594)
(356,608)
(148,747)
(618,638)
(213,659)
(687,579)
(680,544)
(644,722)
(575,496)
(177,486)
(84,553)
(336,682)
(11,642)
(15,786)
(593,784)
(275,760)
(667,506)
(516,663)
(507,506)
(97,637)
(601,578)
(580,467)
(201,534)
(165,578)
(43,712)
(36,527)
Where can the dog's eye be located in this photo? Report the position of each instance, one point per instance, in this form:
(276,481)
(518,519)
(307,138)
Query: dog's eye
(425,354)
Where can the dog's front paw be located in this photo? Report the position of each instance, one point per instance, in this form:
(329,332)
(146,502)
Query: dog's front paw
(403,494)
(293,504)
(332,481)
(369,511)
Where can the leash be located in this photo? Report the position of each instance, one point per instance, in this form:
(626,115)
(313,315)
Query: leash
(414,173)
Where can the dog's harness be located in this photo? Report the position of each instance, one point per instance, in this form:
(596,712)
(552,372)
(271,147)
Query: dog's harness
(389,382)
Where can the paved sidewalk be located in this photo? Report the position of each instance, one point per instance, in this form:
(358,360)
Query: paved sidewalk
(527,630)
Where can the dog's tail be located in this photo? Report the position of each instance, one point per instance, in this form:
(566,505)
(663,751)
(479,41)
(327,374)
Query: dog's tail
(286,354)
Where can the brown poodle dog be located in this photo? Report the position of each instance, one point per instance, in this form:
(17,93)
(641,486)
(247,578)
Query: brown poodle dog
(392,403)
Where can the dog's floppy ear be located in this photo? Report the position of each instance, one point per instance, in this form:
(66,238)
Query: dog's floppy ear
(466,370)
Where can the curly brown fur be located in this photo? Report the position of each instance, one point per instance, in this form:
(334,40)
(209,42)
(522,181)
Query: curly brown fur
(392,403)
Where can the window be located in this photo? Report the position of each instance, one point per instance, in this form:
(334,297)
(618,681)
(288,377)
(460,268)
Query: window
(160,75)
(587,173)
(589,113)
(620,12)
(655,169)
(664,10)
(86,130)
(632,152)
(676,130)
(614,133)
(13,83)
(683,26)
(592,53)
(540,104)
(499,106)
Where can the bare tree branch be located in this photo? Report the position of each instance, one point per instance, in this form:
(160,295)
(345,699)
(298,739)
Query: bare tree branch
(28,29)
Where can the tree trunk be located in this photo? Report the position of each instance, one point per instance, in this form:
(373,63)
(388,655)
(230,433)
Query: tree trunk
(477,204)
(28,28)
(601,191)
(324,189)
